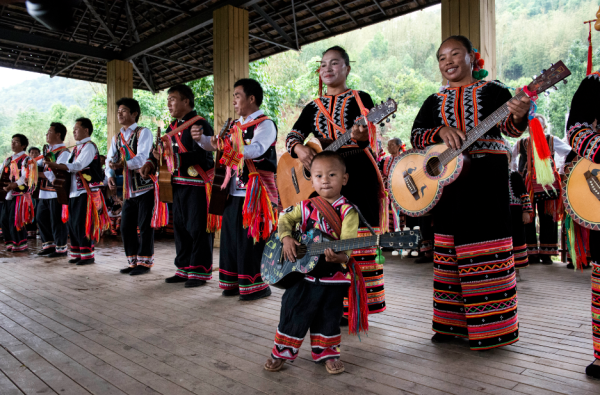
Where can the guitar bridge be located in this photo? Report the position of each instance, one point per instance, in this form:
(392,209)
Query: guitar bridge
(295,181)
(410,184)
(593,184)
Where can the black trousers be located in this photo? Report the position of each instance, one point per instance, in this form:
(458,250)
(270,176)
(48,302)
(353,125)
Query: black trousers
(15,240)
(313,306)
(548,233)
(81,246)
(137,212)
(239,256)
(53,231)
(193,244)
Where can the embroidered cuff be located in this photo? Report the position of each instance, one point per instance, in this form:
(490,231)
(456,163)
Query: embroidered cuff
(176,162)
(510,129)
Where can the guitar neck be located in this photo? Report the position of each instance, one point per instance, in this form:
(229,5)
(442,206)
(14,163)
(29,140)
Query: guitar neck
(342,245)
(344,138)
(478,131)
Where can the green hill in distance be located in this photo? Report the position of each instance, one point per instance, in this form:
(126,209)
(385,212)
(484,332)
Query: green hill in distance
(40,93)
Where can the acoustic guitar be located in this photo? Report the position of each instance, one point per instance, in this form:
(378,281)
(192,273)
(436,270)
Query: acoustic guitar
(281,273)
(581,192)
(219,192)
(418,177)
(165,188)
(61,184)
(293,179)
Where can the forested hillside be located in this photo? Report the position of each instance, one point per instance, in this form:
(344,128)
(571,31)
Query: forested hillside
(392,59)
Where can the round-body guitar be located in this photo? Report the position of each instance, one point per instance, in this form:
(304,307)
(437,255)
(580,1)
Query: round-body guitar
(428,175)
(580,202)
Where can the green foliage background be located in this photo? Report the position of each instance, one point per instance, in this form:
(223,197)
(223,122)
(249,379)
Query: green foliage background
(391,59)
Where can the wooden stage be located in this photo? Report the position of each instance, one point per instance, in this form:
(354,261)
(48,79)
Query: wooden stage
(69,329)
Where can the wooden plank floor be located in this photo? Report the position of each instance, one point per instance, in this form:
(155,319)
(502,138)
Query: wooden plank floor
(67,329)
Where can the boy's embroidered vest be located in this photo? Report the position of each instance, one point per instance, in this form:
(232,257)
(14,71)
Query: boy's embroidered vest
(10,166)
(93,171)
(265,162)
(137,183)
(312,218)
(44,184)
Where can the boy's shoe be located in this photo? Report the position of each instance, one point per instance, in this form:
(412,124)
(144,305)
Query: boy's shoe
(47,251)
(193,283)
(74,260)
(83,262)
(127,270)
(257,295)
(231,292)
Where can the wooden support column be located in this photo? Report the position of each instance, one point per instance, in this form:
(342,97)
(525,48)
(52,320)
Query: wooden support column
(119,83)
(230,58)
(475,19)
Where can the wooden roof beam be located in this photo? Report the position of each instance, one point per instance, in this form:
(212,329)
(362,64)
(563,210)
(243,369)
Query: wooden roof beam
(181,29)
(274,25)
(100,20)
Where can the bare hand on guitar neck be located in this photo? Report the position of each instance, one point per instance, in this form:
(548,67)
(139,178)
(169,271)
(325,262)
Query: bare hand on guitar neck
(306,154)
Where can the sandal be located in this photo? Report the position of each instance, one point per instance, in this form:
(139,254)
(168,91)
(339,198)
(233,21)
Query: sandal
(276,366)
(332,370)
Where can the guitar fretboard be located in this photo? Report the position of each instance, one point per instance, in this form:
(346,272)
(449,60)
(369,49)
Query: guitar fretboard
(478,131)
(342,245)
(343,139)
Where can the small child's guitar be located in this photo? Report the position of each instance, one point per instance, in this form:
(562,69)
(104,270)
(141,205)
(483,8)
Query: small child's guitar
(280,273)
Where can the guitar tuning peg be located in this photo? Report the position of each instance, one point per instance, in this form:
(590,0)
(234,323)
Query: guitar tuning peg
(551,64)
(382,124)
(387,120)
(534,77)
(394,116)
(565,82)
(389,98)
(555,87)
(543,71)
(547,93)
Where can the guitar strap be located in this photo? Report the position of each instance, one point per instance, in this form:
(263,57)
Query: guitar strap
(213,222)
(332,217)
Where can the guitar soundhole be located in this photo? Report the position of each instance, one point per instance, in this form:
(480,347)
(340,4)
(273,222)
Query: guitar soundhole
(306,173)
(434,166)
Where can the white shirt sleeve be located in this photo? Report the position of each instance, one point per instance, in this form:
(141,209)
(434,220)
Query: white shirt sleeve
(514,163)
(143,150)
(264,135)
(560,147)
(86,156)
(205,143)
(112,150)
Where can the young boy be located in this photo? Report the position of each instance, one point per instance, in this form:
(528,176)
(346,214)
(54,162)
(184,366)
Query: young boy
(316,302)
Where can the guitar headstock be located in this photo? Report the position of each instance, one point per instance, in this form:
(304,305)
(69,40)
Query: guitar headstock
(403,239)
(224,128)
(382,111)
(550,77)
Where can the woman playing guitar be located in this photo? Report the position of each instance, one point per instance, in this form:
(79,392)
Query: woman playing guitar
(328,117)
(584,136)
(474,278)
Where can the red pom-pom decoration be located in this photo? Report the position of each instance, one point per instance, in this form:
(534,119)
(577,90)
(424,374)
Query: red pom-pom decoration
(477,55)
(480,62)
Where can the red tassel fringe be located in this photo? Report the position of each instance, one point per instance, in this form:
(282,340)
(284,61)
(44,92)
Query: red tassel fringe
(358,309)
(65,213)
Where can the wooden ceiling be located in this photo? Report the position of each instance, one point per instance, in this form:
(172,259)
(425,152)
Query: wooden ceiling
(170,41)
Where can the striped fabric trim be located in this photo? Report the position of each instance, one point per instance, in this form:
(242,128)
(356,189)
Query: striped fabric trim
(61,249)
(48,244)
(197,182)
